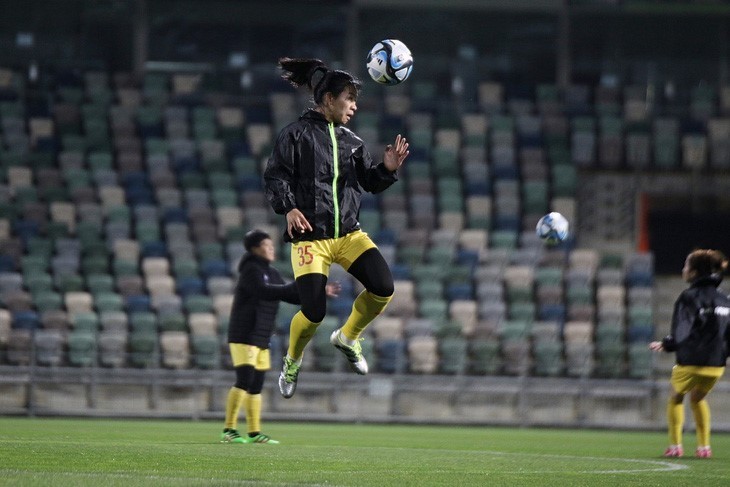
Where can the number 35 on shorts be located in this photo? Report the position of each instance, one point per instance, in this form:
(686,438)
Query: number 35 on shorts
(306,256)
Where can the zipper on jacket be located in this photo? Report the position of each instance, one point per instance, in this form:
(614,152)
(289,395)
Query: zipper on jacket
(336,162)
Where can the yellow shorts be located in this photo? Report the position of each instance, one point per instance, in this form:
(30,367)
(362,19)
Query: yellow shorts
(688,377)
(243,354)
(317,256)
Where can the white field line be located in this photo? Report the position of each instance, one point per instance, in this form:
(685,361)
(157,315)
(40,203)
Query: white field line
(145,477)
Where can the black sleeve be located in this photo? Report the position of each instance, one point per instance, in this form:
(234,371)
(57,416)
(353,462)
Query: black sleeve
(374,178)
(279,175)
(683,317)
(252,281)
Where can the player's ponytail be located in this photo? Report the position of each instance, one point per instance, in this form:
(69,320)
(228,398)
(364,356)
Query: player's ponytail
(315,75)
(300,71)
(708,262)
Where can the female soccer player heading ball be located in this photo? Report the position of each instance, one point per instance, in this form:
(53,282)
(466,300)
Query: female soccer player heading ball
(315,176)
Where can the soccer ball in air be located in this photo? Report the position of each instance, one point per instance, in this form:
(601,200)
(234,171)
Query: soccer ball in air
(389,62)
(552,228)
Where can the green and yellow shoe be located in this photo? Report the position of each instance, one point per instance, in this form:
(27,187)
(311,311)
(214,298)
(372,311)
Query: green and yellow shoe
(260,438)
(232,436)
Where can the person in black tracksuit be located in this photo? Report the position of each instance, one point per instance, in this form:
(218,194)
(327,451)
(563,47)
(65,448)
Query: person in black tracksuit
(700,338)
(315,176)
(258,291)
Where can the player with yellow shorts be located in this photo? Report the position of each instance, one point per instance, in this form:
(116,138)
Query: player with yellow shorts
(315,177)
(700,338)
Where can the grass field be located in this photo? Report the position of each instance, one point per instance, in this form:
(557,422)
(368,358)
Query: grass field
(81,452)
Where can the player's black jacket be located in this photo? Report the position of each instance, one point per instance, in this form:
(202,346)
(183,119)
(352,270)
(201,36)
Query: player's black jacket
(301,173)
(700,333)
(256,301)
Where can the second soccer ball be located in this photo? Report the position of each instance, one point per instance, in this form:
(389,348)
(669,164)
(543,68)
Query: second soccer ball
(552,228)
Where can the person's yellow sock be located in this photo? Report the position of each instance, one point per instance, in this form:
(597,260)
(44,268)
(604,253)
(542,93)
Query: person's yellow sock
(236,397)
(300,332)
(675,421)
(364,310)
(253,413)
(701,412)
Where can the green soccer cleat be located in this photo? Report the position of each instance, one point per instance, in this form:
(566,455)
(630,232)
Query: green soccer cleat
(354,354)
(231,436)
(260,438)
(288,377)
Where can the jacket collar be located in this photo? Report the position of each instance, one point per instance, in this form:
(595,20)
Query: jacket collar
(713,280)
(312,114)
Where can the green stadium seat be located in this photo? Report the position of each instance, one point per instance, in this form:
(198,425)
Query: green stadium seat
(85,322)
(143,322)
(484,356)
(515,330)
(453,355)
(641,361)
(610,359)
(41,281)
(173,322)
(198,303)
(108,301)
(69,283)
(205,351)
(325,355)
(143,349)
(47,301)
(81,348)
(548,358)
(100,282)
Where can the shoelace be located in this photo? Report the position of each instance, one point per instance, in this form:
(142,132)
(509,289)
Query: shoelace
(292,371)
(354,353)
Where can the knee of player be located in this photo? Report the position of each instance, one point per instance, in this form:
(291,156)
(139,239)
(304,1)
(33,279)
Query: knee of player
(315,314)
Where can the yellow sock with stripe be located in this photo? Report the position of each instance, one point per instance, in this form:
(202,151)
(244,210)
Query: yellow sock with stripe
(675,421)
(364,310)
(235,399)
(252,404)
(701,412)
(300,332)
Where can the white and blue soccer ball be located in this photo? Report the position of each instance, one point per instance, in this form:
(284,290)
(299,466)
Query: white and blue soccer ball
(552,228)
(389,62)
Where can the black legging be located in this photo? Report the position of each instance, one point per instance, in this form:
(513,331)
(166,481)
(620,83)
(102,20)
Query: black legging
(370,269)
(249,379)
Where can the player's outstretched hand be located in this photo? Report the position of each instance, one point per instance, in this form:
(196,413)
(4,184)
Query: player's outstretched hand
(333,289)
(656,346)
(395,153)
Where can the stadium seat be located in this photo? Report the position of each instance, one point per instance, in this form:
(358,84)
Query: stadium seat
(610,359)
(387,355)
(640,364)
(81,348)
(112,348)
(548,358)
(453,355)
(484,356)
(143,349)
(49,346)
(175,349)
(205,351)
(19,346)
(422,354)
(325,355)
